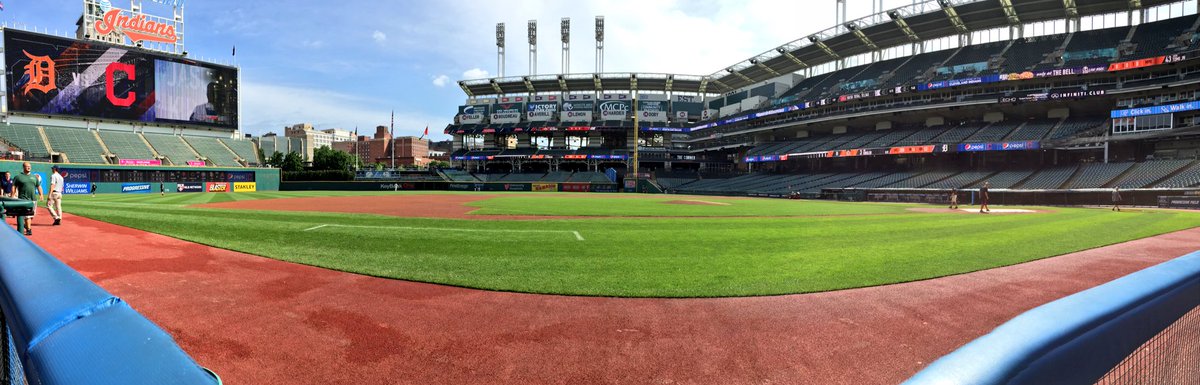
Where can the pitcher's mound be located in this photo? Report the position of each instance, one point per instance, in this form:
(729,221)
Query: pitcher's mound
(695,202)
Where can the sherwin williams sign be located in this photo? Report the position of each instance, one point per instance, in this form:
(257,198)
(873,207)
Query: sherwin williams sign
(245,187)
(77,188)
(135,188)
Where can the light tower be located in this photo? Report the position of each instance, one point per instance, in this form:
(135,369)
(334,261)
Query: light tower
(532,27)
(566,45)
(500,48)
(599,44)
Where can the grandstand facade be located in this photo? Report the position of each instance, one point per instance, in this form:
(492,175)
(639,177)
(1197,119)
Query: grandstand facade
(1028,95)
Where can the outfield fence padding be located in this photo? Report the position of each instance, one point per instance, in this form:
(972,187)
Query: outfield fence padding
(62,329)
(1143,328)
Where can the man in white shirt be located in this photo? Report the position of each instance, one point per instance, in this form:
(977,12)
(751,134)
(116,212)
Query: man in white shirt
(55,201)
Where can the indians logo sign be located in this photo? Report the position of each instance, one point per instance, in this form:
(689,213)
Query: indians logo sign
(136,27)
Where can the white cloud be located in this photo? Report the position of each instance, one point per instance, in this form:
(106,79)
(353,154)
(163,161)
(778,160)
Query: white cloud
(270,107)
(475,73)
(379,36)
(670,36)
(314,44)
(441,80)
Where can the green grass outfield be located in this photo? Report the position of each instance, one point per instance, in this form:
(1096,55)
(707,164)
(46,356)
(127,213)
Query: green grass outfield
(749,247)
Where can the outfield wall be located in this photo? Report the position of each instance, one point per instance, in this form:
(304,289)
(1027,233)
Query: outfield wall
(448,186)
(113,179)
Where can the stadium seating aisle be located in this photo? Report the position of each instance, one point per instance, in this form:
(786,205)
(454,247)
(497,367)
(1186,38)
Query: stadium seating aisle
(80,145)
(1188,177)
(244,149)
(1146,173)
(1096,175)
(27,138)
(126,145)
(212,149)
(1051,178)
(172,147)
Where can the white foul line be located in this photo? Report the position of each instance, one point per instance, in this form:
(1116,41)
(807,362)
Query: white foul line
(578,236)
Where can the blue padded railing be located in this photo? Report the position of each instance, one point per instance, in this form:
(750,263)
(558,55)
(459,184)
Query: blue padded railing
(1079,339)
(66,330)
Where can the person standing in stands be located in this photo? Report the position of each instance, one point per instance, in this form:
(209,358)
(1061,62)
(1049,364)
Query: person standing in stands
(6,185)
(1116,199)
(954,198)
(983,197)
(28,187)
(54,203)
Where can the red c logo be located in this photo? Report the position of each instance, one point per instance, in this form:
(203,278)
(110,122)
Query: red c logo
(129,71)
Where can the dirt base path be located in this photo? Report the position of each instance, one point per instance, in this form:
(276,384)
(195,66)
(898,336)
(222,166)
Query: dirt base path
(259,321)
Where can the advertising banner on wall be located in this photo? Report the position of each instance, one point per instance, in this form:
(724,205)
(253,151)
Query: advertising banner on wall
(541,112)
(216,187)
(653,116)
(577,111)
(189,187)
(75,188)
(506,113)
(135,188)
(245,187)
(615,109)
(545,187)
(472,114)
(50,75)
(140,162)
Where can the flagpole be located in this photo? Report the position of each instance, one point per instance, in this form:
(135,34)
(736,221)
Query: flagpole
(393,140)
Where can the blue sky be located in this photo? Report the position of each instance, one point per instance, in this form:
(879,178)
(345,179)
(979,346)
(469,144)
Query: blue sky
(349,63)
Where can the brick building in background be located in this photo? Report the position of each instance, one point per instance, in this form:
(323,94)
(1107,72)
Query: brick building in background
(410,150)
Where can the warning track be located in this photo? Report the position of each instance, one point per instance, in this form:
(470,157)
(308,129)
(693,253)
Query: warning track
(260,321)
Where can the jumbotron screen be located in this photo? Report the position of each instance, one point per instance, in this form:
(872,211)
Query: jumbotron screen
(56,76)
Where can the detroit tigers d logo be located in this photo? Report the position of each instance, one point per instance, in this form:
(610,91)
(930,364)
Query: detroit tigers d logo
(41,74)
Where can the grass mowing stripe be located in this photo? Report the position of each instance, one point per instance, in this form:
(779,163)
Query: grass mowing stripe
(654,257)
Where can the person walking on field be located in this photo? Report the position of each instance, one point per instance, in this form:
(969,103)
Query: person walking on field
(93,189)
(162,189)
(954,198)
(54,204)
(1116,199)
(983,198)
(27,184)
(6,185)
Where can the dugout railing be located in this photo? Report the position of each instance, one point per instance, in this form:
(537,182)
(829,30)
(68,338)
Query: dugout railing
(59,328)
(1143,328)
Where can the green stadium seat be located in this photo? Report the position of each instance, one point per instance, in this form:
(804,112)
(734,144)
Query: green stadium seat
(244,149)
(172,147)
(212,149)
(79,144)
(27,138)
(126,145)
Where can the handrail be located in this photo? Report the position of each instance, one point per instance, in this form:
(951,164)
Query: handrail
(67,330)
(1077,339)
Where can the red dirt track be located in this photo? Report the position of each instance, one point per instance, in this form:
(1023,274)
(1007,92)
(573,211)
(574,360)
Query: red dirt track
(255,320)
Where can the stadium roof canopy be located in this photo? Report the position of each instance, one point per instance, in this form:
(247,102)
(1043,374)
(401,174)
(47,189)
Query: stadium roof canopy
(925,20)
